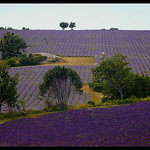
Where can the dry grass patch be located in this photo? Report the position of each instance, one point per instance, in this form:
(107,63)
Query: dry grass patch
(96,96)
(74,61)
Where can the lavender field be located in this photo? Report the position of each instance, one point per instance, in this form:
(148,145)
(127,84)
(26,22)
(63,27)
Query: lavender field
(31,76)
(135,44)
(125,125)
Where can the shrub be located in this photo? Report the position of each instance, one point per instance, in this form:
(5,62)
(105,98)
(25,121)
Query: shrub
(11,62)
(31,59)
(106,99)
(96,86)
(91,102)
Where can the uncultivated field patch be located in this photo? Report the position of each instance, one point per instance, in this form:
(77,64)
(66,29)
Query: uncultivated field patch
(74,61)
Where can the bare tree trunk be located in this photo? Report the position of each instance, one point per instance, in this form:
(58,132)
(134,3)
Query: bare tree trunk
(121,93)
(0,107)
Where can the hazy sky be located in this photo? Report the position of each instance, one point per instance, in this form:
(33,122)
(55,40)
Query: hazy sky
(86,16)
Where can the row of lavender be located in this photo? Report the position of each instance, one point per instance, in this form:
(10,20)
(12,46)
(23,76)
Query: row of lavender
(30,77)
(86,42)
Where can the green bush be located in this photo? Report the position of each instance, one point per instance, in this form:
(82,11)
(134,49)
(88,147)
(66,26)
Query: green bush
(39,57)
(53,60)
(23,60)
(91,102)
(96,85)
(106,99)
(31,59)
(132,99)
(11,62)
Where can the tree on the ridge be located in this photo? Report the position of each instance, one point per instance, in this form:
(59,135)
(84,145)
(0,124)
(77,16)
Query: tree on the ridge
(63,25)
(23,28)
(59,83)
(72,25)
(12,45)
(8,90)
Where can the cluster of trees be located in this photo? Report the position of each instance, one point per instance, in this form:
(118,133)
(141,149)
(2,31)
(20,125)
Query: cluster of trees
(13,51)
(10,28)
(113,77)
(25,60)
(110,29)
(31,59)
(6,28)
(64,25)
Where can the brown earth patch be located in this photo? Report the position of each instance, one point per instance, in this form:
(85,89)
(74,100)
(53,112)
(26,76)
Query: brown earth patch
(96,96)
(74,61)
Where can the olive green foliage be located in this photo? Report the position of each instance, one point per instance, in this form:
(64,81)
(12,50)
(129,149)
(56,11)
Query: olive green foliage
(59,83)
(91,102)
(132,99)
(63,25)
(113,29)
(8,90)
(96,84)
(25,60)
(113,73)
(140,86)
(12,45)
(6,28)
(11,61)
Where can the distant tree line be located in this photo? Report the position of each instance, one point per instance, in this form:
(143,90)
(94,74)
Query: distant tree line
(64,25)
(6,28)
(110,29)
(10,28)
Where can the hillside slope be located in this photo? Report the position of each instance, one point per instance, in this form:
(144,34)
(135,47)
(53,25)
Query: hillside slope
(125,125)
(133,43)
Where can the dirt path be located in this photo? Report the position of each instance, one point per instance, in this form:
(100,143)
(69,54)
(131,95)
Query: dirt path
(96,96)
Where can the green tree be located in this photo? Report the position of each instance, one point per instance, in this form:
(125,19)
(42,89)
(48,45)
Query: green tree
(72,25)
(59,83)
(23,60)
(8,90)
(63,25)
(12,45)
(23,28)
(140,85)
(113,29)
(114,75)
(9,28)
(2,28)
